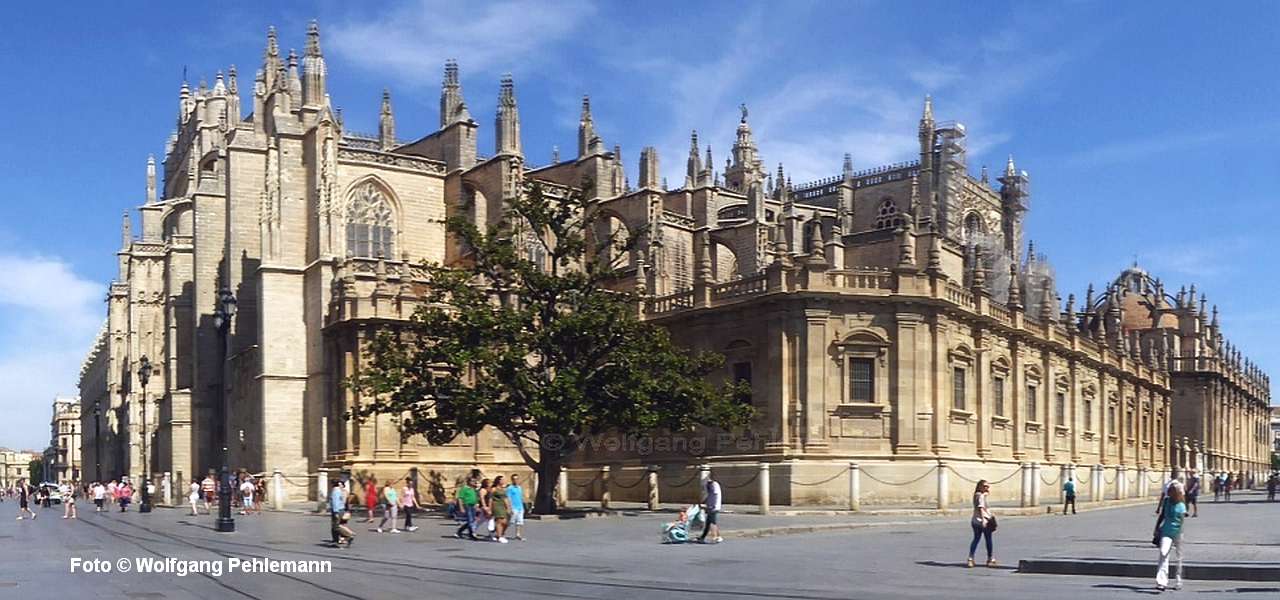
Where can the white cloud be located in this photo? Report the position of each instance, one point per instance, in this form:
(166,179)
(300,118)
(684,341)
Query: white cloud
(413,41)
(49,317)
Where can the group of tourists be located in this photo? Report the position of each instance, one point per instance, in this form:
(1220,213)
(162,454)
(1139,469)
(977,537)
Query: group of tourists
(392,503)
(1177,502)
(249,493)
(491,507)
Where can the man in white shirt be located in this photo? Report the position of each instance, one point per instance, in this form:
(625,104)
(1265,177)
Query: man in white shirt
(714,503)
(99,496)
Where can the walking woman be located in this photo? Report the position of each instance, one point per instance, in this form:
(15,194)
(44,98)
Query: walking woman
(408,502)
(370,497)
(983,522)
(1175,510)
(501,508)
(390,506)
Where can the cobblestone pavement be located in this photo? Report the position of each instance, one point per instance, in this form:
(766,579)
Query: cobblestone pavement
(621,557)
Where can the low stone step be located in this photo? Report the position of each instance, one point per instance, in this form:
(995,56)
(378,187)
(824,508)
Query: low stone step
(1105,567)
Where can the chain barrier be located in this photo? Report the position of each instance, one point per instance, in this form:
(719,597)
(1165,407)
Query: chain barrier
(827,480)
(975,481)
(687,481)
(883,482)
(588,483)
(1047,482)
(1106,481)
(292,482)
(745,483)
(643,478)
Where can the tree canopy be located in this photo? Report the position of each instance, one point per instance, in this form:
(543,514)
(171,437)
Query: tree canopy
(527,335)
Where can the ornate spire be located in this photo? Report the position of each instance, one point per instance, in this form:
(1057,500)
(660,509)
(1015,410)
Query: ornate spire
(313,69)
(271,65)
(219,86)
(846,168)
(126,232)
(452,107)
(1048,302)
(1071,313)
(386,122)
(935,253)
(649,168)
(1009,169)
(985,178)
(979,270)
(906,247)
(693,166)
(588,141)
(927,115)
(151,179)
(555,155)
(1015,291)
(507,136)
(313,39)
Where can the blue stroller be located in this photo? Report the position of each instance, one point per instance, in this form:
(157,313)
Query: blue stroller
(677,532)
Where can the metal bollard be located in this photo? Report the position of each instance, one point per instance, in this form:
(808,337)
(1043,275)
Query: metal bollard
(855,487)
(277,491)
(653,487)
(942,485)
(604,487)
(763,482)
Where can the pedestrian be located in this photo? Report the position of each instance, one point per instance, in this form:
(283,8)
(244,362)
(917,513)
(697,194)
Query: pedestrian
(713,504)
(370,497)
(515,497)
(1193,492)
(408,503)
(484,511)
(46,496)
(68,501)
(99,496)
(467,500)
(1272,482)
(1174,481)
(501,506)
(1226,486)
(337,508)
(983,523)
(1171,538)
(246,494)
(209,487)
(390,504)
(124,494)
(193,496)
(346,536)
(24,496)
(1069,492)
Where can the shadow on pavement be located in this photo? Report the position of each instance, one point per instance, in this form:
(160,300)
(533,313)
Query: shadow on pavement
(1134,588)
(960,565)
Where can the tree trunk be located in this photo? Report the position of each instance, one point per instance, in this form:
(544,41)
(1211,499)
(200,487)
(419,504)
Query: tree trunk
(548,474)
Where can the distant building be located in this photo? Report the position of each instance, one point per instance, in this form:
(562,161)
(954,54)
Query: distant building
(62,457)
(14,465)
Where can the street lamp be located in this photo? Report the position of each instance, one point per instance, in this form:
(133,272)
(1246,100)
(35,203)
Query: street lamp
(222,316)
(144,375)
(97,440)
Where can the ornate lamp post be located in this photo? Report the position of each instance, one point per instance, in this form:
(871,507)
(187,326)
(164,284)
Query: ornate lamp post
(97,440)
(222,316)
(144,376)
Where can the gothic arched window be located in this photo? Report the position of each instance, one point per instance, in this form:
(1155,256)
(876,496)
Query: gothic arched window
(887,217)
(370,231)
(973,228)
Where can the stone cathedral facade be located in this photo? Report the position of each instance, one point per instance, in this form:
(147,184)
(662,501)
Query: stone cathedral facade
(888,316)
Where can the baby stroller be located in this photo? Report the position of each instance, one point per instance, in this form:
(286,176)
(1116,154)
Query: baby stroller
(677,532)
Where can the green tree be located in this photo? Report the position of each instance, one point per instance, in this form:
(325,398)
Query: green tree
(36,469)
(526,336)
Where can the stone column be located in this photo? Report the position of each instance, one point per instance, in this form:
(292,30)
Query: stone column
(653,487)
(813,378)
(943,490)
(1026,484)
(1035,483)
(166,489)
(704,473)
(910,365)
(1122,483)
(562,487)
(763,481)
(322,485)
(855,487)
(605,493)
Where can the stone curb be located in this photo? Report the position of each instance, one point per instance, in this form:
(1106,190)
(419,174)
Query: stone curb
(1125,568)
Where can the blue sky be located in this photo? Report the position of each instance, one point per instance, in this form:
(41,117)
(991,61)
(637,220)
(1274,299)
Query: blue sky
(1148,128)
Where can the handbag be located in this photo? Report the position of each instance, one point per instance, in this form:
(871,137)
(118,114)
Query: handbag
(991,524)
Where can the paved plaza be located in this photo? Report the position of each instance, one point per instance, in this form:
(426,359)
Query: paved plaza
(621,557)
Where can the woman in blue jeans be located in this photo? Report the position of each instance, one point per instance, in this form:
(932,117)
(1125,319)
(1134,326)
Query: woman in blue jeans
(983,522)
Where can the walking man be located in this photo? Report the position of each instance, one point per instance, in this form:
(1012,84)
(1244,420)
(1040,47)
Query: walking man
(1193,492)
(714,503)
(1069,491)
(515,494)
(209,488)
(24,495)
(467,500)
(337,506)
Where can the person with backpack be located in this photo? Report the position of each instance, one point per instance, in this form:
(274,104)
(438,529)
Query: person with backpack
(1169,537)
(983,523)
